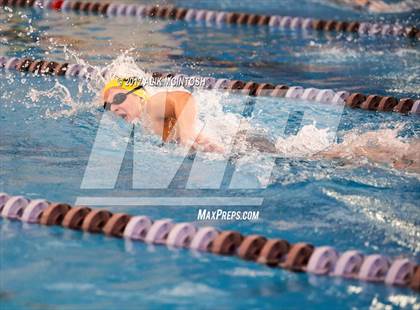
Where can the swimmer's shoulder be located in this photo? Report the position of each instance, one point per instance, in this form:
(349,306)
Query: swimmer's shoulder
(171,97)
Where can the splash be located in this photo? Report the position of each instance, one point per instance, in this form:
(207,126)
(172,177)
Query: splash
(218,124)
(67,105)
(309,141)
(124,66)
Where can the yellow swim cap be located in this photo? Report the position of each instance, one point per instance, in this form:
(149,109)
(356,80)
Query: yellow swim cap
(127,84)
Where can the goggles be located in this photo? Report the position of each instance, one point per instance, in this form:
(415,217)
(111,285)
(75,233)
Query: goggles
(120,98)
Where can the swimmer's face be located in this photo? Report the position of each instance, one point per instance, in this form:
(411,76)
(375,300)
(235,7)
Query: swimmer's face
(129,109)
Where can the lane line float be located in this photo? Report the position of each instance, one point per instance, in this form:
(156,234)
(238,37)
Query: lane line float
(211,17)
(276,253)
(352,100)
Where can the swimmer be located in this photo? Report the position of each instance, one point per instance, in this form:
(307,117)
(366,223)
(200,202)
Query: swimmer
(172,115)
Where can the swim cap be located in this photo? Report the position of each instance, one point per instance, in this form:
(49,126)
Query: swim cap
(127,84)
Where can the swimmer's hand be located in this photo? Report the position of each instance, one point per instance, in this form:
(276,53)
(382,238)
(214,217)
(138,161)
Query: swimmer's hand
(204,144)
(209,147)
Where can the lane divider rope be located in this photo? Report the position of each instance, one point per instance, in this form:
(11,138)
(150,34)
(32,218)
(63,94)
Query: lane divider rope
(329,96)
(218,17)
(300,257)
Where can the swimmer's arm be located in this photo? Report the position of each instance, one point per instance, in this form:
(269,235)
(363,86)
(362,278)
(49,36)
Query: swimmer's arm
(175,106)
(185,110)
(373,5)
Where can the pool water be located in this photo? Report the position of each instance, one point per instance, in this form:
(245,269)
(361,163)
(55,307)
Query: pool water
(49,125)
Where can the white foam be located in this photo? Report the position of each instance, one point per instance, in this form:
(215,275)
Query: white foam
(309,141)
(190,289)
(247,272)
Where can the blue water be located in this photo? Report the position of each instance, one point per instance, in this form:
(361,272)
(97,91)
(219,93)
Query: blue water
(365,206)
